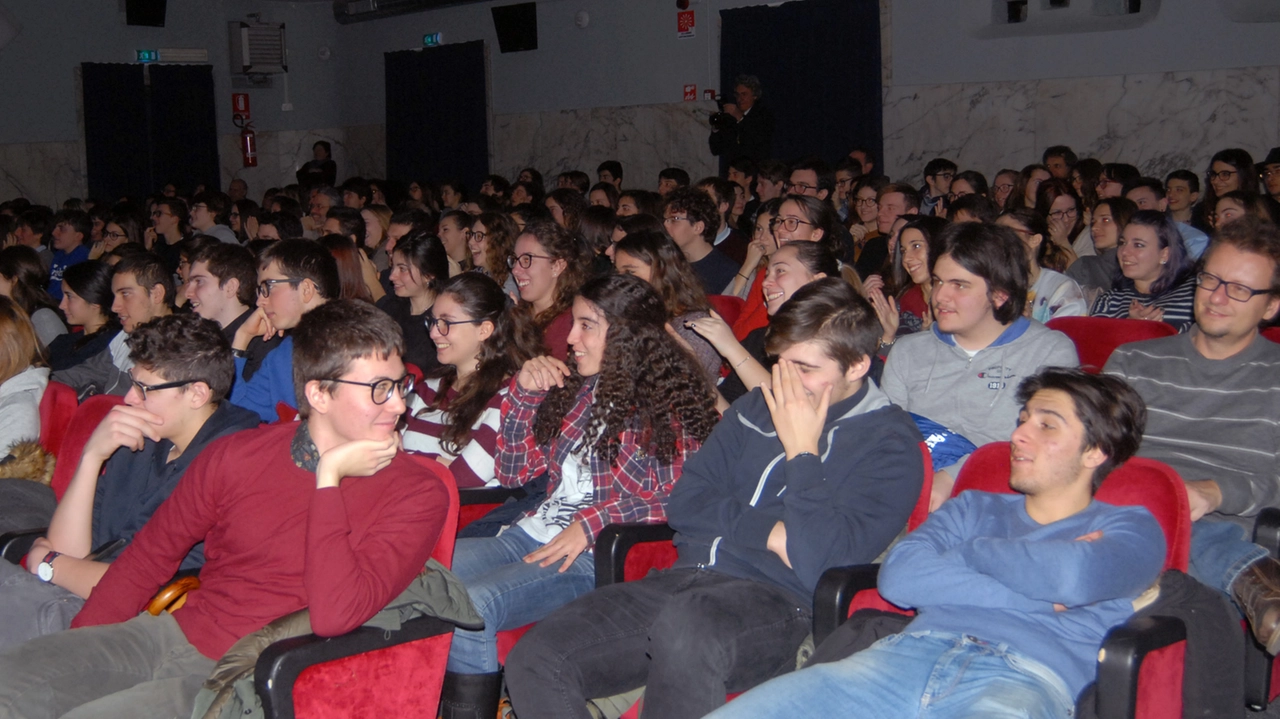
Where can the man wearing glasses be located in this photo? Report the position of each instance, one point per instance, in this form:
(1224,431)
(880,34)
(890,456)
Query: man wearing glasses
(938,174)
(1213,405)
(326,514)
(294,278)
(1269,173)
(691,219)
(210,215)
(181,374)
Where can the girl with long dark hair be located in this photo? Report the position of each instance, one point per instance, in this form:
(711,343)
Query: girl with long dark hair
(22,279)
(418,265)
(1156,282)
(86,301)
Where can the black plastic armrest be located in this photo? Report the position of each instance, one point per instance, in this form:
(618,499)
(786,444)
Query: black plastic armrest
(615,540)
(1123,651)
(280,664)
(1266,531)
(489,495)
(15,545)
(835,592)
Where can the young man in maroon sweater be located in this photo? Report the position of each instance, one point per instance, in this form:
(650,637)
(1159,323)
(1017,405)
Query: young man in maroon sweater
(326,514)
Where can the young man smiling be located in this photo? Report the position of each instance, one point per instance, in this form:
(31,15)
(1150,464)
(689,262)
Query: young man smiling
(962,374)
(820,472)
(691,219)
(181,375)
(1014,592)
(326,514)
(294,278)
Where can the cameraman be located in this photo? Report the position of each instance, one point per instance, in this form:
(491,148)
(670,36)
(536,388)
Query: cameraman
(744,129)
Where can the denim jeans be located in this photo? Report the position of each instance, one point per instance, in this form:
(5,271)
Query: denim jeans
(509,593)
(1219,552)
(924,674)
(32,608)
(689,636)
(140,669)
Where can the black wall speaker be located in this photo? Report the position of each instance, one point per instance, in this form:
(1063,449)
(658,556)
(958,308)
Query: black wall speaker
(149,13)
(517,27)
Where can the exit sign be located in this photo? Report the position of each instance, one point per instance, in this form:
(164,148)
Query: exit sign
(148,55)
(432,39)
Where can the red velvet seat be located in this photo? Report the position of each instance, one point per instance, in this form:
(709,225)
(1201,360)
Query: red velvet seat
(1272,333)
(368,672)
(1154,647)
(727,306)
(58,406)
(1096,338)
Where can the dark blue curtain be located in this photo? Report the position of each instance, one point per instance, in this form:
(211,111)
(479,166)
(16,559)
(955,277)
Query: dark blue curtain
(819,64)
(437,114)
(139,136)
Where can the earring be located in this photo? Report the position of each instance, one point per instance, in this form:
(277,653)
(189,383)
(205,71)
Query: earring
(1162,262)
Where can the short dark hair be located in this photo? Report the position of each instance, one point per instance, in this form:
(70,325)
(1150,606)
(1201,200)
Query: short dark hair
(304,260)
(219,205)
(185,347)
(350,222)
(674,173)
(38,219)
(745,165)
(332,336)
(1248,233)
(939,164)
(287,225)
(1191,178)
(1120,172)
(1113,413)
(831,312)
(613,167)
(580,180)
(773,171)
(148,270)
(1066,153)
(995,254)
(849,164)
(417,220)
(978,205)
(1149,183)
(910,195)
(826,175)
(79,221)
(976,180)
(226,262)
(723,191)
(359,187)
(698,207)
(501,185)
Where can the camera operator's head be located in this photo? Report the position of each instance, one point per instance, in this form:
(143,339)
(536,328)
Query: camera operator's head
(746,91)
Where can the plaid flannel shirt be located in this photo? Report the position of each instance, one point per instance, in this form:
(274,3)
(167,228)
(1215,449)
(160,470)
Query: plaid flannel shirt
(635,490)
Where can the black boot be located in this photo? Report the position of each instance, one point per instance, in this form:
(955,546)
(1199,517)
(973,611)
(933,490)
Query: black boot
(470,696)
(1257,591)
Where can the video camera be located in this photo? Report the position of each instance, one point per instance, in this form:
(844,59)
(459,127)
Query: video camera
(722,120)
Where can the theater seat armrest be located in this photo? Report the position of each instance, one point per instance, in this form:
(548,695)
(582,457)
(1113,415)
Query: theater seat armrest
(834,594)
(615,540)
(1120,660)
(1266,531)
(15,545)
(280,664)
(489,495)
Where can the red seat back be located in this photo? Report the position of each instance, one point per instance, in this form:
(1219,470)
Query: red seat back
(414,370)
(86,419)
(57,406)
(1139,481)
(1272,333)
(727,306)
(1096,338)
(921,510)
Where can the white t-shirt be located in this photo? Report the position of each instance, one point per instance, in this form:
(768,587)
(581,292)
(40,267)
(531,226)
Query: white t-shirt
(575,491)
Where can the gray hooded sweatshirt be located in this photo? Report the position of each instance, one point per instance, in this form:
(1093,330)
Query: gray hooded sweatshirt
(928,374)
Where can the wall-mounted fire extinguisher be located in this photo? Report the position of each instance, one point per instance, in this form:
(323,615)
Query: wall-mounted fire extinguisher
(248,141)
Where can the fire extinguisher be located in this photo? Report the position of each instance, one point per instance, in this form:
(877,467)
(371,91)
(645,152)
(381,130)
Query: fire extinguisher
(248,145)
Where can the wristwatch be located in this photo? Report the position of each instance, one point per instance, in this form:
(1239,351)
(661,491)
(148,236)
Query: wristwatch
(45,569)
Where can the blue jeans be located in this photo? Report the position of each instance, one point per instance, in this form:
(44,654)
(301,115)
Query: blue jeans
(1219,552)
(923,674)
(509,593)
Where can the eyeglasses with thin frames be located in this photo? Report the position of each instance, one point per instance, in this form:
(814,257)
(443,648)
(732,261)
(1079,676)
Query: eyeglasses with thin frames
(526,260)
(380,389)
(442,325)
(790,223)
(1220,176)
(265,286)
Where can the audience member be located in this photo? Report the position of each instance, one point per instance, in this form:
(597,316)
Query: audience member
(603,194)
(938,174)
(1002,187)
(353,283)
(692,220)
(491,242)
(969,182)
(549,265)
(1059,160)
(746,284)
(893,201)
(210,215)
(71,229)
(612,426)
(1238,203)
(23,378)
(1156,281)
(566,206)
(1026,186)
(321,170)
(1148,193)
(610,171)
(418,266)
(972,207)
(1051,293)
(481,343)
(22,279)
(377,219)
(30,229)
(86,303)
(1059,206)
(119,228)
(727,239)
(957,377)
(671,178)
(1269,174)
(819,472)
(1096,273)
(919,241)
(1014,593)
(847,170)
(772,180)
(1182,190)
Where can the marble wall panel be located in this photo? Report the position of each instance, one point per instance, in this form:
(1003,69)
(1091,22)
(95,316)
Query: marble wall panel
(358,150)
(45,173)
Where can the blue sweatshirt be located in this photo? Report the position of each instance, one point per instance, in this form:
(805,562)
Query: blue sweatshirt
(842,507)
(981,566)
(272,383)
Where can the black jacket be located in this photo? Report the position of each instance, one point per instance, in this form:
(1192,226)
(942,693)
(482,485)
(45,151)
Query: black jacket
(752,137)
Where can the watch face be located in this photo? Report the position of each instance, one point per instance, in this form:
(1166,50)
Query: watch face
(45,571)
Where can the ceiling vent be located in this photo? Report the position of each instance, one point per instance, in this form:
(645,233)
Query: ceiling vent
(257,48)
(352,11)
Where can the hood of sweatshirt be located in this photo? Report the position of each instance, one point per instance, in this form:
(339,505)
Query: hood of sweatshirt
(31,379)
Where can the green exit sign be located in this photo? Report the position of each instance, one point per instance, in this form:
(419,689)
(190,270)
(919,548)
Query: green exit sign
(148,56)
(432,39)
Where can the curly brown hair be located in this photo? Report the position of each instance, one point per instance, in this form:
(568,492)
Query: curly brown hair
(647,381)
(671,274)
(501,241)
(559,244)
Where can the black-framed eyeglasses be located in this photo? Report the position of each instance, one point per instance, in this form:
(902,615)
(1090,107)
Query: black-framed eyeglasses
(1064,214)
(1236,291)
(265,286)
(474,235)
(791,223)
(200,206)
(380,389)
(526,260)
(113,235)
(143,389)
(800,188)
(442,325)
(1224,175)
